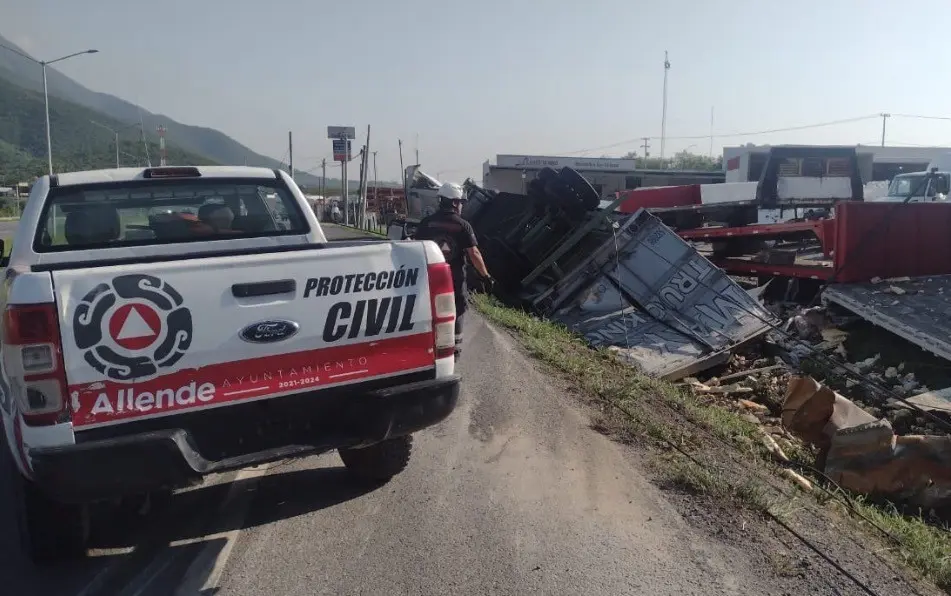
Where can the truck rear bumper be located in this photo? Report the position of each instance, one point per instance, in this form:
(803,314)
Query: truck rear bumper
(169,457)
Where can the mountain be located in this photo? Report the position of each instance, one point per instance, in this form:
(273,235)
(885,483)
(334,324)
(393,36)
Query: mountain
(78,143)
(212,144)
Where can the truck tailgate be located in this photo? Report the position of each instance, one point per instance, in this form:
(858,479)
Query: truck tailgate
(155,339)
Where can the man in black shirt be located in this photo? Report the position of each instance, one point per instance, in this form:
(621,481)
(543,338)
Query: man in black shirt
(457,240)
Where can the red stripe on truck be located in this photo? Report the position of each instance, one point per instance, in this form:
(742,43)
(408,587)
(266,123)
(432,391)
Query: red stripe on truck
(106,402)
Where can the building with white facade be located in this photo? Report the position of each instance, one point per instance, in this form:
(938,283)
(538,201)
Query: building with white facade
(745,163)
(512,173)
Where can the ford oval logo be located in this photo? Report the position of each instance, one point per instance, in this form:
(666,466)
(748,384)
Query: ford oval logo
(269,331)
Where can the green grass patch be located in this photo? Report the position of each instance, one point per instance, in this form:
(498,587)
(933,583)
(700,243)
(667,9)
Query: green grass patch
(924,547)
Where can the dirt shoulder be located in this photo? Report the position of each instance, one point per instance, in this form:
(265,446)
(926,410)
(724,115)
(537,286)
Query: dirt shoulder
(717,469)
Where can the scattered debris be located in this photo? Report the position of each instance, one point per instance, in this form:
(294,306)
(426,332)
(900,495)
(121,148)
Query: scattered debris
(862,453)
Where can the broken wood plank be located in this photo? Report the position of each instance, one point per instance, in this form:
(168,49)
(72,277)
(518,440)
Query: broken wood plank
(752,371)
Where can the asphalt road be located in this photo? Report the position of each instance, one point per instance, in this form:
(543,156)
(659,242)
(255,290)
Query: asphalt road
(512,494)
(7,228)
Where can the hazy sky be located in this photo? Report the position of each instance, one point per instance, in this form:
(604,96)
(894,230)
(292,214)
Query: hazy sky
(474,79)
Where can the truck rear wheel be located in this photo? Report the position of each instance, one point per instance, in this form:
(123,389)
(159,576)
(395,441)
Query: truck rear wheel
(378,463)
(49,530)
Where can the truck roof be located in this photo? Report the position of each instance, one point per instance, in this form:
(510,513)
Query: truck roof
(129,174)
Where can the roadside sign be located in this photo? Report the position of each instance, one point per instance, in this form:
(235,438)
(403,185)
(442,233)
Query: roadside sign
(341,150)
(341,132)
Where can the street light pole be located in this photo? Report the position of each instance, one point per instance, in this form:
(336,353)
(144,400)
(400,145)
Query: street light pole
(46,103)
(46,94)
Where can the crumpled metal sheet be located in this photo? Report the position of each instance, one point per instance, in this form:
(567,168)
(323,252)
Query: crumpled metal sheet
(861,453)
(650,296)
(916,309)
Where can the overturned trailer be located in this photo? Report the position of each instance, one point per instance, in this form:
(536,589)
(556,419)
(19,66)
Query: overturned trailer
(624,282)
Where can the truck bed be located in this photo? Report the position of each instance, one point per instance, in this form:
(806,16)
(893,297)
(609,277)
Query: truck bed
(921,315)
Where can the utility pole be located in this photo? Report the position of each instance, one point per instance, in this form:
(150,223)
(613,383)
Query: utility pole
(885,116)
(646,146)
(376,184)
(402,170)
(663,120)
(360,198)
(365,168)
(163,155)
(290,154)
(323,177)
(145,142)
(711,132)
(345,184)
(417,148)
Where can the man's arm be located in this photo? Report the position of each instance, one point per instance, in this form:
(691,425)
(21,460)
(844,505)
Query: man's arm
(471,244)
(476,257)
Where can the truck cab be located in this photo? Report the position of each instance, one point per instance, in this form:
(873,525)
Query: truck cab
(919,187)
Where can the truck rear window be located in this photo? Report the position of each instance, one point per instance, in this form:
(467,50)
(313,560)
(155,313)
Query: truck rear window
(145,212)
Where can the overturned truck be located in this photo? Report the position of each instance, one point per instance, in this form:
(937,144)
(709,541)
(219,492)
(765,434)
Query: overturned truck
(624,282)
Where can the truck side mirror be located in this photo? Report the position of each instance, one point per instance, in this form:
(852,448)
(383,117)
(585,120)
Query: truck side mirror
(941,184)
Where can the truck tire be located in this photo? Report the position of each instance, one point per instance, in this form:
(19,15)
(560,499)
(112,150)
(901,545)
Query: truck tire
(378,463)
(50,531)
(580,186)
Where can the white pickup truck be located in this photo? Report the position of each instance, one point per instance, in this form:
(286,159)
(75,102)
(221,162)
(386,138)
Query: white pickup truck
(163,324)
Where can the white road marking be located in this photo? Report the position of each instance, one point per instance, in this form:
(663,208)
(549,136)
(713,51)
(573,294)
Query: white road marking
(205,571)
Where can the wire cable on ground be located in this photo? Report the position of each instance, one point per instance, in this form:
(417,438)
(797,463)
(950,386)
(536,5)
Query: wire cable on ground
(805,541)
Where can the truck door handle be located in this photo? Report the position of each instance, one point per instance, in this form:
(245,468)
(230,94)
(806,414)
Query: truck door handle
(264,288)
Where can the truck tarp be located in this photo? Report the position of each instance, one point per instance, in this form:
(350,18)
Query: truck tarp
(649,296)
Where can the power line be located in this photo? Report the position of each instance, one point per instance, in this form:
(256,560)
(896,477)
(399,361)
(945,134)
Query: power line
(920,117)
(734,134)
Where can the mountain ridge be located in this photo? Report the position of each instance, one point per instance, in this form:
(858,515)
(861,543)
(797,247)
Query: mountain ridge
(212,144)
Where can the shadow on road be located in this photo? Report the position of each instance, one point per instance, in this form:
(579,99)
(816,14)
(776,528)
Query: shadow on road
(188,517)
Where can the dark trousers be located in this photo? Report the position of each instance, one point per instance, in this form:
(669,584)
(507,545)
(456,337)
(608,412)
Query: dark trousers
(460,311)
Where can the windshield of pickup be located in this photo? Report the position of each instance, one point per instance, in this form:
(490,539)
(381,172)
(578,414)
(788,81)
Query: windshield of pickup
(145,212)
(905,184)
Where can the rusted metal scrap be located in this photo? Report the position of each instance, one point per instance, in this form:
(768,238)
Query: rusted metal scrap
(861,453)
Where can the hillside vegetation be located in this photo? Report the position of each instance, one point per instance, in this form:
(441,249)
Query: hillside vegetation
(213,144)
(78,143)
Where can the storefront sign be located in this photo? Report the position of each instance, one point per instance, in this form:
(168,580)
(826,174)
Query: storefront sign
(578,163)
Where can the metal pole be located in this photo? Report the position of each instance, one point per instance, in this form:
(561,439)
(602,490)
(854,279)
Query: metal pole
(323,178)
(663,121)
(49,138)
(290,155)
(365,168)
(376,184)
(117,150)
(358,223)
(344,183)
(884,117)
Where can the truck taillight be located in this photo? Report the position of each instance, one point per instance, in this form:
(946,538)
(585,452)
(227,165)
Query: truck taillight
(444,309)
(33,362)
